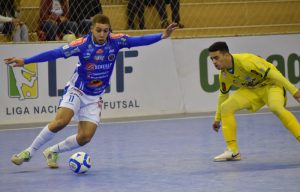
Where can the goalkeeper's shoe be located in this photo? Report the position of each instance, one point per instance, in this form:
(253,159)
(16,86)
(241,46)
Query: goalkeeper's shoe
(51,158)
(228,155)
(23,156)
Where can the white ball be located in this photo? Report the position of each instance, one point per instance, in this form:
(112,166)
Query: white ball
(80,162)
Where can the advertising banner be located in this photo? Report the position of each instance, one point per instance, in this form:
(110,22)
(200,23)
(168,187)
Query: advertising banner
(199,78)
(144,82)
(169,77)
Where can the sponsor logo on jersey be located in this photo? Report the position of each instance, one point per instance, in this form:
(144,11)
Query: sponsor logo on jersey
(99,57)
(78,42)
(95,83)
(68,53)
(86,56)
(247,78)
(65,47)
(256,73)
(22,82)
(104,66)
(111,57)
(99,51)
(118,35)
(90,67)
(93,66)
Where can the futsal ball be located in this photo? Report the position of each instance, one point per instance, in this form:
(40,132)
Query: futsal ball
(80,162)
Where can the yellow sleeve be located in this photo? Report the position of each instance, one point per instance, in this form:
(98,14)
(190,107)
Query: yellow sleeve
(222,97)
(275,75)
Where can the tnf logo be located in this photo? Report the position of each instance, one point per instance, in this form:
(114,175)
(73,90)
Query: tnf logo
(22,82)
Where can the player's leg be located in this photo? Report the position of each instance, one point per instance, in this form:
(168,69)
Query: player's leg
(62,118)
(86,131)
(241,99)
(89,119)
(276,102)
(69,103)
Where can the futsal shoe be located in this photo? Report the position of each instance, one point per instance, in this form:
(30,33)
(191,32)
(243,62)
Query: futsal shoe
(23,156)
(228,155)
(51,158)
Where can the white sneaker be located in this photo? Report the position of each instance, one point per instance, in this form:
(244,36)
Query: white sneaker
(228,155)
(51,158)
(23,156)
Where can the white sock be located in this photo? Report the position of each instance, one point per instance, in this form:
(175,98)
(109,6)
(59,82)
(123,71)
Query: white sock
(68,144)
(44,136)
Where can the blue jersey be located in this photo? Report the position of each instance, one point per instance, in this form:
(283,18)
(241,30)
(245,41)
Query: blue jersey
(96,62)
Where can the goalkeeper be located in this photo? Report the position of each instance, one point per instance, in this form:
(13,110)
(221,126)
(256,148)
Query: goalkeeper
(259,82)
(97,53)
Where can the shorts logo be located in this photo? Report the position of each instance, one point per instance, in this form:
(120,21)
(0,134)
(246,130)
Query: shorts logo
(22,82)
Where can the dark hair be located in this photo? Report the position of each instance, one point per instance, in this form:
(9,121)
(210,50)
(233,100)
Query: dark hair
(99,18)
(219,46)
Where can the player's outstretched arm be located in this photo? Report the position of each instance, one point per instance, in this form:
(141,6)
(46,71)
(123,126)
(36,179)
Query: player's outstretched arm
(297,96)
(168,31)
(41,57)
(17,62)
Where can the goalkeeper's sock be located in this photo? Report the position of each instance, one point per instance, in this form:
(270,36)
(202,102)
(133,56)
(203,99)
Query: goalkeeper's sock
(232,145)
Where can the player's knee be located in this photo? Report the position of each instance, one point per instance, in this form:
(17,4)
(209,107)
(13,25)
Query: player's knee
(83,139)
(226,108)
(58,124)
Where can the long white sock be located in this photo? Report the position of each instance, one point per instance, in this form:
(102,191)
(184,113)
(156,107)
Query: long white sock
(68,144)
(44,136)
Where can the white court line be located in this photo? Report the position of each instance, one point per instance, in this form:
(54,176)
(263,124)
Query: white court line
(152,120)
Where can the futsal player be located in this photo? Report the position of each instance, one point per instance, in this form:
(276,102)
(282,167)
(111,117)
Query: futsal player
(259,82)
(97,53)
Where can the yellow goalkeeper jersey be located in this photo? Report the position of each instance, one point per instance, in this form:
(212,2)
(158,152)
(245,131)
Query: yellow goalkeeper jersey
(252,71)
(249,71)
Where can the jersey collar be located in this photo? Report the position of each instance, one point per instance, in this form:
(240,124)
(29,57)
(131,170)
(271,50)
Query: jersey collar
(231,70)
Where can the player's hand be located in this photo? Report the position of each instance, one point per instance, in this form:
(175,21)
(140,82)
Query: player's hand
(168,31)
(216,126)
(297,96)
(17,62)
